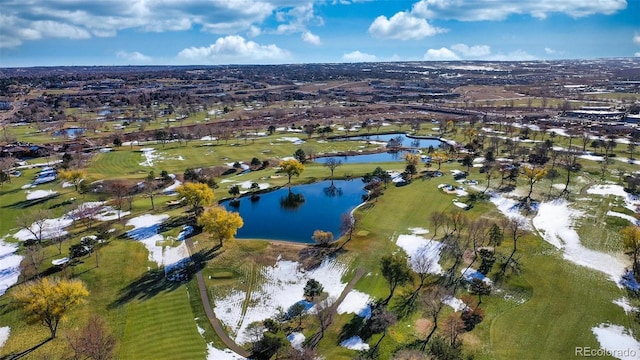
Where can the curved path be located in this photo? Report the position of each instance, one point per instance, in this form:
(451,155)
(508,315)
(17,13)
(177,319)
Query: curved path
(215,322)
(208,309)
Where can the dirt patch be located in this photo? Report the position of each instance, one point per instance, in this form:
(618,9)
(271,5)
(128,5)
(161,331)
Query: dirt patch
(468,256)
(279,249)
(480,93)
(423,326)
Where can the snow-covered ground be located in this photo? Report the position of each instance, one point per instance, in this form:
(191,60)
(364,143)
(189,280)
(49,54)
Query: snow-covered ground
(417,246)
(354,302)
(508,207)
(460,205)
(282,286)
(149,156)
(623,302)
(617,341)
(4,335)
(146,231)
(40,194)
(555,223)
(171,189)
(50,228)
(214,353)
(9,265)
(623,216)
(292,139)
(631,202)
(296,339)
(455,303)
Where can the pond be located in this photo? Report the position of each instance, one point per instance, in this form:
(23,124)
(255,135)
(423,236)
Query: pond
(70,132)
(293,215)
(366,158)
(405,141)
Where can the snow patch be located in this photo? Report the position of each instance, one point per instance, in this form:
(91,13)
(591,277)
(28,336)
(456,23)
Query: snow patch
(9,267)
(616,340)
(455,303)
(509,208)
(4,335)
(355,302)
(40,194)
(283,286)
(555,223)
(623,302)
(296,339)
(146,231)
(149,155)
(418,246)
(418,231)
(214,353)
(171,189)
(631,219)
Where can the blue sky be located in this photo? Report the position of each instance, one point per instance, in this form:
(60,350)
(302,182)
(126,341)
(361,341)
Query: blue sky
(187,32)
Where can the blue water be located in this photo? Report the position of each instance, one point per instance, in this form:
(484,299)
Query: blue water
(405,142)
(71,132)
(273,217)
(366,158)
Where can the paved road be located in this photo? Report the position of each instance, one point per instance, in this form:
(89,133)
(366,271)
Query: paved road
(208,309)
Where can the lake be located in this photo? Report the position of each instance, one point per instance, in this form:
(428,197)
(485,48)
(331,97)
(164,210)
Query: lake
(70,132)
(406,141)
(366,158)
(294,215)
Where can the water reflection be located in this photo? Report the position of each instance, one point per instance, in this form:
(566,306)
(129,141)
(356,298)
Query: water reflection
(292,201)
(332,190)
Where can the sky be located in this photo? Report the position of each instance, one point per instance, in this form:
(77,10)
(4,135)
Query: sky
(209,32)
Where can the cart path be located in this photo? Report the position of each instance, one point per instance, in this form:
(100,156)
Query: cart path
(208,309)
(359,274)
(215,322)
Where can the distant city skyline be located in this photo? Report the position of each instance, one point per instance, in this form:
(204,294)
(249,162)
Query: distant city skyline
(209,32)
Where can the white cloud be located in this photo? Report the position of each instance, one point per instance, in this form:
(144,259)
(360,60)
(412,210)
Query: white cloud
(34,20)
(475,51)
(233,49)
(442,54)
(311,38)
(55,29)
(479,10)
(637,54)
(297,19)
(549,51)
(517,55)
(402,26)
(134,56)
(357,56)
(636,38)
(254,31)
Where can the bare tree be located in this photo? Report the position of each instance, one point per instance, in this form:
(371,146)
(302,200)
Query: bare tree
(332,164)
(118,189)
(34,256)
(324,316)
(35,223)
(432,303)
(437,220)
(347,225)
(93,341)
(515,229)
